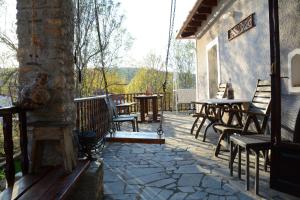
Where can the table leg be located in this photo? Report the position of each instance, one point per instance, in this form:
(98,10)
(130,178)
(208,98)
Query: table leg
(231,159)
(154,107)
(247,169)
(146,106)
(256,172)
(239,161)
(142,110)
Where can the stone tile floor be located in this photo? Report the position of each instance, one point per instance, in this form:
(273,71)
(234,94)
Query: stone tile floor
(183,168)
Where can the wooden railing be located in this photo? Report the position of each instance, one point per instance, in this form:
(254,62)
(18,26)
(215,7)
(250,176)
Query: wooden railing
(129,97)
(7,114)
(92,115)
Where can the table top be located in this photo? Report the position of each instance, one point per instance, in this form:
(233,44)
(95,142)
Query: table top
(252,141)
(147,96)
(222,101)
(126,104)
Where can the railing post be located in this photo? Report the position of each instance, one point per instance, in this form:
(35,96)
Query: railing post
(8,149)
(23,142)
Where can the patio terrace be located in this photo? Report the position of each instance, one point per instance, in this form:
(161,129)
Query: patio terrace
(183,168)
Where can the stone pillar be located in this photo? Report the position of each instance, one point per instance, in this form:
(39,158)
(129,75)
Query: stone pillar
(45,35)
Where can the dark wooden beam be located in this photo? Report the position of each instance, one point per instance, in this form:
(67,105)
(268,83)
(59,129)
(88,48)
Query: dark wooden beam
(199,17)
(204,10)
(190,29)
(187,34)
(194,23)
(210,3)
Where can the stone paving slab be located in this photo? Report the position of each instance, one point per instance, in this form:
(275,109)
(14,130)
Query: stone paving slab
(183,168)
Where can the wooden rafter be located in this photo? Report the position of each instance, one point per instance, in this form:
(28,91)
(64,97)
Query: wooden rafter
(199,17)
(210,3)
(204,10)
(200,12)
(195,23)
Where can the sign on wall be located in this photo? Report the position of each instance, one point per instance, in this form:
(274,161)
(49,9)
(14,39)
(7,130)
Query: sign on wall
(241,27)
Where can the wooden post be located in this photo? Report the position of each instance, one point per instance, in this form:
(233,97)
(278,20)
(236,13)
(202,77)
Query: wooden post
(275,72)
(23,142)
(9,150)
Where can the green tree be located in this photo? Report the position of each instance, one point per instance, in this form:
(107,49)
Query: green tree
(184,62)
(145,78)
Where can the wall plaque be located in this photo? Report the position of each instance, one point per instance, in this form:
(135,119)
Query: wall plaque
(241,27)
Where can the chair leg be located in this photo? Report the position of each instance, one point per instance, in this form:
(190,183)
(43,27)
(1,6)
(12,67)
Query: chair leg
(194,124)
(137,124)
(218,147)
(199,128)
(133,125)
(206,129)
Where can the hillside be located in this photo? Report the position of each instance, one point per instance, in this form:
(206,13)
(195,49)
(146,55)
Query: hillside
(127,73)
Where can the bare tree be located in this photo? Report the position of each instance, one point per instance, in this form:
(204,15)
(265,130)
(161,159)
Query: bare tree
(113,39)
(85,47)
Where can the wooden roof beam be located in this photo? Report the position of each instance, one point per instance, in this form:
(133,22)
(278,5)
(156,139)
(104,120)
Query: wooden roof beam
(199,17)
(195,23)
(190,29)
(204,10)
(209,3)
(187,34)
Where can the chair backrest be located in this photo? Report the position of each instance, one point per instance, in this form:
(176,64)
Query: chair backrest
(111,107)
(261,101)
(221,91)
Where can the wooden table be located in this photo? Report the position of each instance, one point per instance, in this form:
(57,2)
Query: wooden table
(143,99)
(256,143)
(221,103)
(124,107)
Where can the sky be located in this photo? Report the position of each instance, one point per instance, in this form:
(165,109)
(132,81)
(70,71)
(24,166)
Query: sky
(148,23)
(146,20)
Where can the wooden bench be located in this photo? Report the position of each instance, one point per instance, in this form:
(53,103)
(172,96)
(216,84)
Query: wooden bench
(50,183)
(256,143)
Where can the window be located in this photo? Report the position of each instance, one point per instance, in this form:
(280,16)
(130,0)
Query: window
(294,71)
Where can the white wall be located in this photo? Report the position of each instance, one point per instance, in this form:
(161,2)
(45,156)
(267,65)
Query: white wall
(289,23)
(243,59)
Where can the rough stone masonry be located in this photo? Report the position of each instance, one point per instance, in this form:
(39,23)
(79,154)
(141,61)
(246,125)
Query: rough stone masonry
(45,35)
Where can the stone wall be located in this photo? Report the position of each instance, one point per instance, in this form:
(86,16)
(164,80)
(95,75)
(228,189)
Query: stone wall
(45,35)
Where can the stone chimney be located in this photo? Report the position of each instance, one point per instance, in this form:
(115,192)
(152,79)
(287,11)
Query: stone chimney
(45,35)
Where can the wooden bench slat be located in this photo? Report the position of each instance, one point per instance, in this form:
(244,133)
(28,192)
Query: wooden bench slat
(22,185)
(263,89)
(55,184)
(262,94)
(264,82)
(66,183)
(261,100)
(38,190)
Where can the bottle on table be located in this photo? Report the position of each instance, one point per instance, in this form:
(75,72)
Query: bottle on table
(230,92)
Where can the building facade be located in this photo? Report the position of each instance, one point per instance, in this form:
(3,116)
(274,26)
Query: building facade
(233,43)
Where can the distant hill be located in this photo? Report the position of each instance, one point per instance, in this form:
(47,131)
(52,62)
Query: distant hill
(127,73)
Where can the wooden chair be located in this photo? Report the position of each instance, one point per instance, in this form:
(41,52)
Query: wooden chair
(118,119)
(207,112)
(257,114)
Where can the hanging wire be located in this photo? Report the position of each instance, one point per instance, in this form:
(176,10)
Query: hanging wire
(164,85)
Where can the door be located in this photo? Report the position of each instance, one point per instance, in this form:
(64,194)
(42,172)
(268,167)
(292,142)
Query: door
(285,156)
(213,70)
